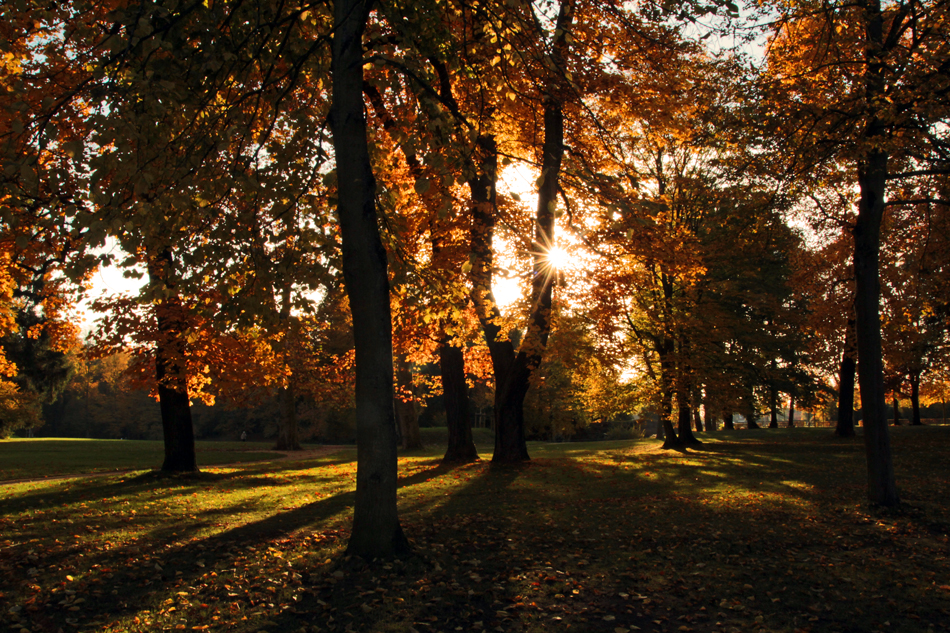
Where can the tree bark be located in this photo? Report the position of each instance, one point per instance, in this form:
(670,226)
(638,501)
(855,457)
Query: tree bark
(897,412)
(845,426)
(461,445)
(684,419)
(669,437)
(872,180)
(791,411)
(683,395)
(170,368)
(376,530)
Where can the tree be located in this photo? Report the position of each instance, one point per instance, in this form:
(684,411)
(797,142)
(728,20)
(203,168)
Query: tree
(863,84)
(376,530)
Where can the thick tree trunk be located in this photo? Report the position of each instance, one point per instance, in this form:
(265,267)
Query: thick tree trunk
(752,413)
(727,422)
(669,437)
(683,393)
(915,400)
(791,411)
(752,419)
(376,531)
(170,369)
(897,412)
(684,419)
(872,180)
(845,426)
(461,445)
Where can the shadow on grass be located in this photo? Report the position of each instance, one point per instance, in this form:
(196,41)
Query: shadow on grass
(599,517)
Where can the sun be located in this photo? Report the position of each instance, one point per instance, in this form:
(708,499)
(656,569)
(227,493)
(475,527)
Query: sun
(558,258)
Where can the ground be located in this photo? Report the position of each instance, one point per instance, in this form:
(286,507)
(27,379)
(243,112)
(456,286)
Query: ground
(758,531)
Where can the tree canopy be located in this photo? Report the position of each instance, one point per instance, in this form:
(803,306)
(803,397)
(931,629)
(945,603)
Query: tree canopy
(323,194)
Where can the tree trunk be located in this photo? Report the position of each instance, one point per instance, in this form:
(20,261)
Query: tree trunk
(872,180)
(697,418)
(406,415)
(751,413)
(684,419)
(709,415)
(897,412)
(288,437)
(845,427)
(669,437)
(915,399)
(461,445)
(510,444)
(727,422)
(791,411)
(683,392)
(170,368)
(773,406)
(376,530)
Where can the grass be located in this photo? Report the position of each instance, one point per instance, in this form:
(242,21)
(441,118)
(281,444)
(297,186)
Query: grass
(759,531)
(36,458)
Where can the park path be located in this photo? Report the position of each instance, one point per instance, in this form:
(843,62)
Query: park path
(286,456)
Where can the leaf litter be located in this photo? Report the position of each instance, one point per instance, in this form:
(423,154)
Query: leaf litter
(746,535)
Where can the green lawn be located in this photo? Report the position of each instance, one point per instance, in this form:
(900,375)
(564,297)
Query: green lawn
(35,458)
(760,531)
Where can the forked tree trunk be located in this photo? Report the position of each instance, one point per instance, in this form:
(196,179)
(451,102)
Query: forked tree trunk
(510,444)
(510,391)
(872,181)
(684,419)
(461,445)
(170,368)
(376,530)
(845,426)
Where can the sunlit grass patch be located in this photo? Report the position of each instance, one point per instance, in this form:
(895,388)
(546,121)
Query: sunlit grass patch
(753,532)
